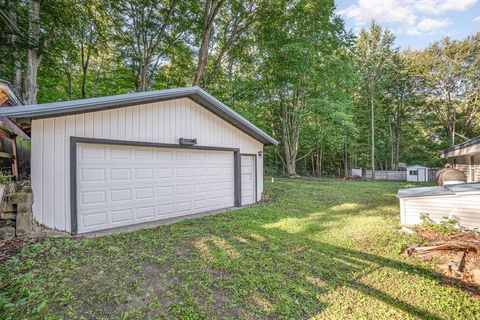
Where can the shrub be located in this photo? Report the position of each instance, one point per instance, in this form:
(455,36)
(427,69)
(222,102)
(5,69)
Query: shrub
(447,225)
(4,177)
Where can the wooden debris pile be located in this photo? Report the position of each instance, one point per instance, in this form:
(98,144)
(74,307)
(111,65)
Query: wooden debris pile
(456,256)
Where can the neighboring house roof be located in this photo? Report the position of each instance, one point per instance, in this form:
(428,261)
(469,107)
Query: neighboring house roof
(416,166)
(101,103)
(469,147)
(7,96)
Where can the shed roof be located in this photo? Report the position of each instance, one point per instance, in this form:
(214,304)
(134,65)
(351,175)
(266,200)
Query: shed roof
(439,191)
(48,110)
(416,166)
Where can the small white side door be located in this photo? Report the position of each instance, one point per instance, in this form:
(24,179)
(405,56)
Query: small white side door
(248,179)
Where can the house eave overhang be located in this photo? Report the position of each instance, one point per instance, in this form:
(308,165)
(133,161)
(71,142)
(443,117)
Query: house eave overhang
(56,109)
(467,148)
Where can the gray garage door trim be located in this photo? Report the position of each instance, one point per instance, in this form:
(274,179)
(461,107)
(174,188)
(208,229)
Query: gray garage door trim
(254,170)
(73,167)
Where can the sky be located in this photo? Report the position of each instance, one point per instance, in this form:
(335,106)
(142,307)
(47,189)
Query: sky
(416,23)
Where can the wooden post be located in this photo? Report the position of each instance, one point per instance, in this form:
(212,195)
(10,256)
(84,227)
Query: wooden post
(15,158)
(12,138)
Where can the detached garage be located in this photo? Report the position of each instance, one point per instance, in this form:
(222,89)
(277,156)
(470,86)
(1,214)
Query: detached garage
(114,162)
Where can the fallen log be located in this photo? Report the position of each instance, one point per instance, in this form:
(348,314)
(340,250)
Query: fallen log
(452,245)
(456,265)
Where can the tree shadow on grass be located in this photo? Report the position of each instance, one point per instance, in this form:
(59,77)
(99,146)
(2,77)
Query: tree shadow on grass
(334,267)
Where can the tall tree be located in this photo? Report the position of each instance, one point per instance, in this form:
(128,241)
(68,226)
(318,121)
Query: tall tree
(375,49)
(34,52)
(145,28)
(449,83)
(210,11)
(402,99)
(293,40)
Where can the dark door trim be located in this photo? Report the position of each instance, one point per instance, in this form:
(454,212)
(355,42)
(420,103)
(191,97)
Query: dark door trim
(255,172)
(73,167)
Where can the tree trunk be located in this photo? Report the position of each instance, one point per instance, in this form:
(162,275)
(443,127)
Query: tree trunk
(210,12)
(290,159)
(85,63)
(202,57)
(319,163)
(312,159)
(69,77)
(372,111)
(290,120)
(17,65)
(346,160)
(398,132)
(454,120)
(33,57)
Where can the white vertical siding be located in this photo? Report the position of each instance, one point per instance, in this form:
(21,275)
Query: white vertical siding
(162,122)
(477,167)
(464,207)
(465,164)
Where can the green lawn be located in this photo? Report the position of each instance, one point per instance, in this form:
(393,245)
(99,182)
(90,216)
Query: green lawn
(325,249)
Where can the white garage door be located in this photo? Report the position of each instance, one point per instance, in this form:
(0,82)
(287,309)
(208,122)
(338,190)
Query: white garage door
(125,185)
(248,179)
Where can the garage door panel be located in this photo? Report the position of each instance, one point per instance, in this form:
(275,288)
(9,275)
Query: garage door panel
(165,191)
(165,209)
(92,153)
(121,195)
(143,154)
(119,174)
(122,215)
(92,175)
(119,153)
(144,193)
(93,197)
(94,218)
(129,185)
(145,212)
(143,174)
(163,173)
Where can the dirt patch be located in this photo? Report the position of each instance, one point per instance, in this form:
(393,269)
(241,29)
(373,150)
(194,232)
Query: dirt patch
(9,248)
(157,278)
(216,274)
(223,307)
(455,255)
(185,252)
(431,235)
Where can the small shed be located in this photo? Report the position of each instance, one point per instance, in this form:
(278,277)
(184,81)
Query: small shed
(461,201)
(141,158)
(417,173)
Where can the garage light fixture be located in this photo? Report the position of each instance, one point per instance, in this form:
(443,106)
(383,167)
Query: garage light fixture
(187,142)
(260,153)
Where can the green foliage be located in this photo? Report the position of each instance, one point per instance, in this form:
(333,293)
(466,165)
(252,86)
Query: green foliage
(447,225)
(288,66)
(5,177)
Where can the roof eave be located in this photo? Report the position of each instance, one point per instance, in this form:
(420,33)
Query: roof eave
(90,105)
(469,147)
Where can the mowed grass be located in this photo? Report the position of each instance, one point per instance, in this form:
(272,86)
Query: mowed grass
(322,249)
